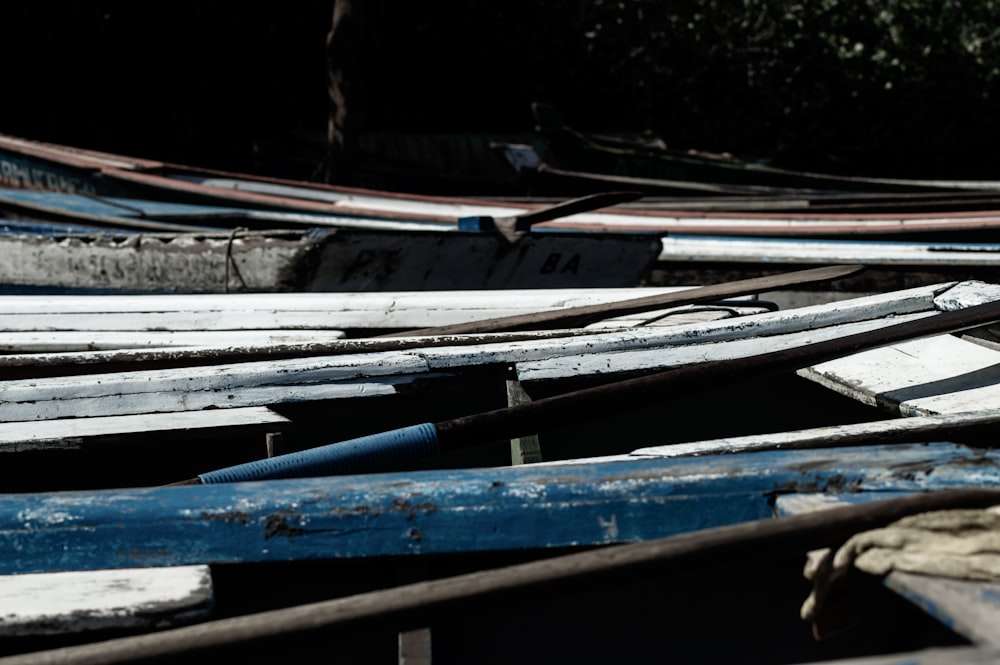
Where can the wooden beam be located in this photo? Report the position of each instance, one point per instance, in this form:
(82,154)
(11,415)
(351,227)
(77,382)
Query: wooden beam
(78,601)
(581,315)
(449,511)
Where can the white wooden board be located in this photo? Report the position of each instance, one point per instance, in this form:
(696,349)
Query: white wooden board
(65,340)
(290,311)
(71,433)
(805,251)
(656,359)
(942,374)
(75,601)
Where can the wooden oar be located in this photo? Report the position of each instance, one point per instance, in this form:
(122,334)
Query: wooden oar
(578,316)
(397,448)
(441,600)
(515,226)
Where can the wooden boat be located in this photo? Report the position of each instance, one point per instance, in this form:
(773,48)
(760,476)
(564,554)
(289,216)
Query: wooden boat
(134,252)
(130,245)
(470,552)
(34,165)
(576,160)
(369,383)
(683,258)
(336,546)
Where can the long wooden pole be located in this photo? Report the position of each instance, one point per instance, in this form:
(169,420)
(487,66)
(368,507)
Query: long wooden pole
(389,450)
(515,226)
(577,316)
(417,604)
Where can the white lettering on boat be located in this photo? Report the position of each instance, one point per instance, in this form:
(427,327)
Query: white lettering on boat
(20,176)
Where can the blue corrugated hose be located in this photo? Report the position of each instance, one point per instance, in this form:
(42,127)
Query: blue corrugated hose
(385,451)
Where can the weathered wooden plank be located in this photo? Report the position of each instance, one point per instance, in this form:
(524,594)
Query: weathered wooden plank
(254,341)
(525,506)
(966,294)
(909,301)
(77,601)
(943,374)
(656,359)
(74,433)
(235,311)
(523,449)
(69,341)
(569,318)
(223,396)
(63,362)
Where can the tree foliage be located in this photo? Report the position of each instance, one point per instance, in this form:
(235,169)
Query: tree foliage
(888,84)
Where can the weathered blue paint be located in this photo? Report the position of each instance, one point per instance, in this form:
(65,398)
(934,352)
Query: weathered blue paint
(19,171)
(365,454)
(112,210)
(452,510)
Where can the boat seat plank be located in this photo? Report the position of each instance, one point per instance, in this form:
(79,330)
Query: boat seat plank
(935,375)
(76,601)
(74,433)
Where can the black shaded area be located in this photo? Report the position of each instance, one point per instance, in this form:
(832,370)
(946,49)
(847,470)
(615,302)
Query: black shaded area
(242,85)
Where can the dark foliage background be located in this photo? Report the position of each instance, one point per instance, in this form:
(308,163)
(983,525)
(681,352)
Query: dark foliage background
(893,87)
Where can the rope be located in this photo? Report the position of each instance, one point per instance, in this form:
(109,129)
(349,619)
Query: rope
(231,261)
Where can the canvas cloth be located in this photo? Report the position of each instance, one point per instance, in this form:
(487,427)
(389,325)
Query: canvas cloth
(960,544)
